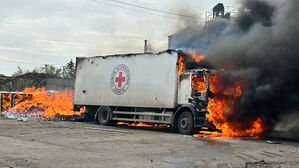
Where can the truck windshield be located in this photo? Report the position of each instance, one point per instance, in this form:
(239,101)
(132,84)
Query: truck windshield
(198,83)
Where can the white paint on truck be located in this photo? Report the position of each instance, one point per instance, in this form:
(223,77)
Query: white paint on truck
(135,80)
(185,89)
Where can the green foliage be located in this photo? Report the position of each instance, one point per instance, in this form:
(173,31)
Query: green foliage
(48,69)
(45,69)
(20,83)
(70,70)
(18,72)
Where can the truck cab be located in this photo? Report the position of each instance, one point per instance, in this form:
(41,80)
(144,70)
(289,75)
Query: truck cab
(193,96)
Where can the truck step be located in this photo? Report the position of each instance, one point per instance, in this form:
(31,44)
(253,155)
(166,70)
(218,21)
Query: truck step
(143,113)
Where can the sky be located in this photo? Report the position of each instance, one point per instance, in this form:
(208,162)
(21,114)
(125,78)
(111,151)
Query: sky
(37,32)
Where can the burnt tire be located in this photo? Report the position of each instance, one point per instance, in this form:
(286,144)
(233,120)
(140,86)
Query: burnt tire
(104,116)
(185,123)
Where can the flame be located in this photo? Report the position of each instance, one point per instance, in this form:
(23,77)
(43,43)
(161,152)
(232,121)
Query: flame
(5,101)
(193,54)
(181,66)
(37,102)
(251,133)
(222,106)
(141,124)
(198,83)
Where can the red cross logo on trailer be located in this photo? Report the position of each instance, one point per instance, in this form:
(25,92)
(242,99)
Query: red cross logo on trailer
(120,79)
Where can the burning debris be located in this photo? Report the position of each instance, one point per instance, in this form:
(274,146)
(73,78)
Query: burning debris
(39,104)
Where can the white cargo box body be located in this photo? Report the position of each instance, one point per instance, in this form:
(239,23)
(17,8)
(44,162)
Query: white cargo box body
(133,80)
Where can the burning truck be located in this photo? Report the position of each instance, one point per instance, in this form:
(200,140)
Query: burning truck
(147,88)
(166,89)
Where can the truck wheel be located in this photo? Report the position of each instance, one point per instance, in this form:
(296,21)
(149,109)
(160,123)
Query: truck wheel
(185,123)
(104,115)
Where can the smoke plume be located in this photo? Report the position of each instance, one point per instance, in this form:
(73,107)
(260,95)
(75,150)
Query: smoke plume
(261,46)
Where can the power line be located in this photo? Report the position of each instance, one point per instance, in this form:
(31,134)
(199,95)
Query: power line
(129,8)
(138,10)
(156,10)
(27,63)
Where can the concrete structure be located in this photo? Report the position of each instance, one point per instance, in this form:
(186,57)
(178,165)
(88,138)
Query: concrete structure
(59,84)
(39,80)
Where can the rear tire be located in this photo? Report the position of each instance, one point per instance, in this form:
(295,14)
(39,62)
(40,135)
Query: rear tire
(104,116)
(186,123)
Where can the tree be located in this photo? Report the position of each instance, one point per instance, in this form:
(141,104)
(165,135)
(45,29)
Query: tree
(21,83)
(18,72)
(70,70)
(48,69)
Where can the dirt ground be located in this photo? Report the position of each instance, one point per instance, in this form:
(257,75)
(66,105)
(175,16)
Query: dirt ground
(77,144)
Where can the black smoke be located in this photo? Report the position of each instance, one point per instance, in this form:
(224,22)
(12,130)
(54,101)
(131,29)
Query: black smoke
(252,12)
(261,47)
(263,52)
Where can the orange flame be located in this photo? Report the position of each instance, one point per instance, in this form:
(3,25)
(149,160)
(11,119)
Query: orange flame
(43,104)
(141,124)
(198,83)
(192,54)
(181,66)
(222,105)
(197,58)
(5,101)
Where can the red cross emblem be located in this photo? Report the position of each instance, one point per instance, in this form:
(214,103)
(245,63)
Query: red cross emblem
(120,79)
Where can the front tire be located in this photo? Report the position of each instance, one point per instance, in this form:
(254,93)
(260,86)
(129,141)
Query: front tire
(186,123)
(104,116)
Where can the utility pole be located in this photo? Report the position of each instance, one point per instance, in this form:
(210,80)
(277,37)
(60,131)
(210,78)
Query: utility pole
(145,46)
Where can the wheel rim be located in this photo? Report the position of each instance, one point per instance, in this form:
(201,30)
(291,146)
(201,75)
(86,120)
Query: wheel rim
(184,123)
